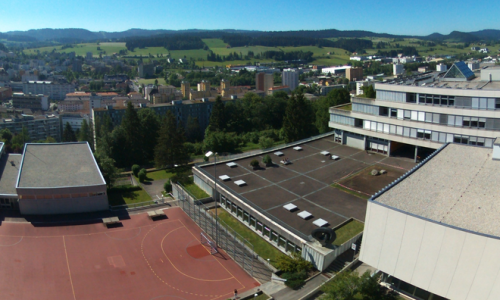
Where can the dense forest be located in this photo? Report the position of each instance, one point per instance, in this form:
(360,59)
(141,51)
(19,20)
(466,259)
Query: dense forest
(175,42)
(240,40)
(407,51)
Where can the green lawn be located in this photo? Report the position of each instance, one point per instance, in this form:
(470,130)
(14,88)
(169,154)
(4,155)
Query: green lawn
(346,107)
(198,53)
(347,231)
(261,246)
(127,195)
(196,191)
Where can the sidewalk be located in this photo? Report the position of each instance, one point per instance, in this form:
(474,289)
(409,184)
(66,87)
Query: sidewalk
(308,287)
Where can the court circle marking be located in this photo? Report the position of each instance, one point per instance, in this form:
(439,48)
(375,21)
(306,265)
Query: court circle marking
(20,240)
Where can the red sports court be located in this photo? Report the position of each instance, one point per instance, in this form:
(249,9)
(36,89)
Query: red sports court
(142,259)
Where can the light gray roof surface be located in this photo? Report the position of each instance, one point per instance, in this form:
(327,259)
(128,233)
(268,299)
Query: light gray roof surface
(9,169)
(459,187)
(59,165)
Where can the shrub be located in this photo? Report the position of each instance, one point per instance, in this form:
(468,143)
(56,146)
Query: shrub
(205,158)
(167,186)
(142,175)
(294,280)
(135,170)
(267,160)
(254,163)
(293,264)
(265,142)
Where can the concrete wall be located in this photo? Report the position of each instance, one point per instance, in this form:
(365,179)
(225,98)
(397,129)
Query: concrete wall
(62,200)
(446,261)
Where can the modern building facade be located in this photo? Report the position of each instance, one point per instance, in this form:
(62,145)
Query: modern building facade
(55,90)
(33,102)
(39,127)
(435,232)
(424,112)
(354,74)
(290,78)
(145,70)
(264,81)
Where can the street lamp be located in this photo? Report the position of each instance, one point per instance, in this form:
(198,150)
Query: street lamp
(208,154)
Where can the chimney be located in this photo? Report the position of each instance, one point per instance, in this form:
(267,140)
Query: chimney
(496,149)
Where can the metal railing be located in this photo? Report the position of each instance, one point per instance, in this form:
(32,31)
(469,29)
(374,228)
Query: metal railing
(240,249)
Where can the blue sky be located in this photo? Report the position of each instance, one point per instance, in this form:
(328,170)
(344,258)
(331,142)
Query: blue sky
(397,17)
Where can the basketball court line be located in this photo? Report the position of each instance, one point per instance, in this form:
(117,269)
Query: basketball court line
(20,240)
(69,270)
(173,287)
(168,258)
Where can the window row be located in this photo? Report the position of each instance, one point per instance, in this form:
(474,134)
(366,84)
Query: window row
(435,136)
(261,228)
(420,116)
(441,100)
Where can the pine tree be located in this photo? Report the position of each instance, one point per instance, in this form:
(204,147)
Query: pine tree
(217,120)
(170,148)
(193,130)
(298,120)
(132,128)
(150,126)
(85,134)
(68,134)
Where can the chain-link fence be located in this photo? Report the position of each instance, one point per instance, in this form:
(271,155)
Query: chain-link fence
(240,250)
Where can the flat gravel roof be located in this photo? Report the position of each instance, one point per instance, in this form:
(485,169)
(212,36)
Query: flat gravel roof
(458,187)
(59,165)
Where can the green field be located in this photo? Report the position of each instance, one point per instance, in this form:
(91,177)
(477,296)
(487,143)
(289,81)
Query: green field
(347,231)
(127,194)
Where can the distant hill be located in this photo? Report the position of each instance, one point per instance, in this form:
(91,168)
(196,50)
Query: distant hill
(76,34)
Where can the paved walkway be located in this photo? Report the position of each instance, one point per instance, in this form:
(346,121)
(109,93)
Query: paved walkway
(308,287)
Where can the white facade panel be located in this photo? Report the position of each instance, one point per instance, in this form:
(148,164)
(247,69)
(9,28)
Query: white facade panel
(451,248)
(375,225)
(442,260)
(468,264)
(391,243)
(410,247)
(486,283)
(428,254)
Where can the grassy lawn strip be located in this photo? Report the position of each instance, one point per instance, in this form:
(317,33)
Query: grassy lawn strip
(196,191)
(261,246)
(359,195)
(346,107)
(127,194)
(347,231)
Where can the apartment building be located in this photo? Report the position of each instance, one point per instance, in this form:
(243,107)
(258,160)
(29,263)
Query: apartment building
(53,89)
(33,102)
(290,78)
(5,93)
(39,127)
(416,115)
(264,81)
